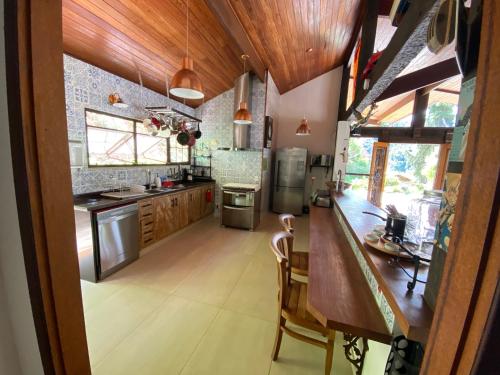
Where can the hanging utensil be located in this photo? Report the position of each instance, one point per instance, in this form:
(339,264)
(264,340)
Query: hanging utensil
(197,133)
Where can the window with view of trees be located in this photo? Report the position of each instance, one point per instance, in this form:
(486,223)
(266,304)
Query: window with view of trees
(114,141)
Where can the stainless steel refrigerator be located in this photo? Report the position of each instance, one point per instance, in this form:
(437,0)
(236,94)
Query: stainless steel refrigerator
(289,180)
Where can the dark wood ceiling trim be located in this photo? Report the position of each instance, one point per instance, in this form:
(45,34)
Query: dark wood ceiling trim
(421,78)
(368,33)
(406,135)
(385,7)
(409,39)
(229,20)
(380,116)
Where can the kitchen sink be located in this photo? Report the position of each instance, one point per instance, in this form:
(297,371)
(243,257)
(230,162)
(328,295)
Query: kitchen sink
(153,191)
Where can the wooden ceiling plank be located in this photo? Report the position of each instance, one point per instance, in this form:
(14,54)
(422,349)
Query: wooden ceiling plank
(381,116)
(226,15)
(111,11)
(156,51)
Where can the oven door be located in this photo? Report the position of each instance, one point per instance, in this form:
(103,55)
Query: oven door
(237,217)
(237,198)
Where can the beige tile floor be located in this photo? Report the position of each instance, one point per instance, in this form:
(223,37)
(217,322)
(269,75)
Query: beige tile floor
(203,301)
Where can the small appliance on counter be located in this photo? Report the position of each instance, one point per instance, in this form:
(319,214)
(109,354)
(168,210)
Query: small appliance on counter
(321,198)
(240,205)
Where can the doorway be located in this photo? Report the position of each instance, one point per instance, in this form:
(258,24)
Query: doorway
(410,171)
(394,173)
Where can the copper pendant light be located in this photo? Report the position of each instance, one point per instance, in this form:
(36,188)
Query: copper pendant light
(186,83)
(304,128)
(243,116)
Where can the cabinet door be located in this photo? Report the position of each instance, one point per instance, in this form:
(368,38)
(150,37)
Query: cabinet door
(194,204)
(172,216)
(207,207)
(182,203)
(161,207)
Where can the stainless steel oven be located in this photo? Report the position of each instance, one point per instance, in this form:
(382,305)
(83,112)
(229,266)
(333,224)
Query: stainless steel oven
(240,206)
(238,198)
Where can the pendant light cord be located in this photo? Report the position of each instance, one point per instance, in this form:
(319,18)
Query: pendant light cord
(308,75)
(187,28)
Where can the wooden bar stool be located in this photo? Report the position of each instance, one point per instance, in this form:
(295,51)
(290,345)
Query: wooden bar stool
(292,305)
(299,260)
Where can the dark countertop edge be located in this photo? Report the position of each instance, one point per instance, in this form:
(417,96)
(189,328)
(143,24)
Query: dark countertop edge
(112,203)
(417,332)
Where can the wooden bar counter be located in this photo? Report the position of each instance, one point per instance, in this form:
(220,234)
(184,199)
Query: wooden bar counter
(338,294)
(411,312)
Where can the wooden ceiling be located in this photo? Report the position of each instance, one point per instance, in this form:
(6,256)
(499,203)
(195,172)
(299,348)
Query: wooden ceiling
(401,106)
(118,35)
(282,30)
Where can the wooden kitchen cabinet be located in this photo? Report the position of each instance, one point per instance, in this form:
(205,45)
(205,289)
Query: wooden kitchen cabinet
(161,216)
(165,216)
(194,205)
(207,208)
(182,202)
(146,230)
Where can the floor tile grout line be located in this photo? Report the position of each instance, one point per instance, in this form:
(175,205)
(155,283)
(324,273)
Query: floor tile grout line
(142,321)
(200,340)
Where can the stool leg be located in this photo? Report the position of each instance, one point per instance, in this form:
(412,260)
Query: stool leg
(329,353)
(279,336)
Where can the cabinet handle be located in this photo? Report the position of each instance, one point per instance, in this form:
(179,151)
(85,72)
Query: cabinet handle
(172,202)
(176,202)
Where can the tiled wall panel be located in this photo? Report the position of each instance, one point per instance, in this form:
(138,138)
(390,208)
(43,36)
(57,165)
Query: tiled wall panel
(87,86)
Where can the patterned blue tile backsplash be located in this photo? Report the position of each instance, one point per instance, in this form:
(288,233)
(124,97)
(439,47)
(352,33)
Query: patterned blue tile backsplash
(217,128)
(87,86)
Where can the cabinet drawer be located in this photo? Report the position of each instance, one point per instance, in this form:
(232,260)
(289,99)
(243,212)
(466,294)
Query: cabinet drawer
(146,218)
(146,210)
(145,202)
(147,227)
(147,239)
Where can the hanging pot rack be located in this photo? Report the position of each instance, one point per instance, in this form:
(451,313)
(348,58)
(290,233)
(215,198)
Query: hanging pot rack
(172,113)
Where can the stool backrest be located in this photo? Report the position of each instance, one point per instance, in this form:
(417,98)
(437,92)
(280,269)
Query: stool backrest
(287,222)
(280,243)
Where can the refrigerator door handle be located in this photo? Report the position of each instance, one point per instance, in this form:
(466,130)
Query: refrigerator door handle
(278,176)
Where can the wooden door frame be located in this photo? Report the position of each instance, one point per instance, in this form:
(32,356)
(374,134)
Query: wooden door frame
(472,264)
(39,141)
(372,166)
(37,122)
(444,156)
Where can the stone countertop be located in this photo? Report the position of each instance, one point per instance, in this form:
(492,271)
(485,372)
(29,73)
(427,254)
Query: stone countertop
(95,202)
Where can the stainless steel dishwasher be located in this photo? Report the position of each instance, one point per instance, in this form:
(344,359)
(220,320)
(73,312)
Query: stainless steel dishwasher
(118,238)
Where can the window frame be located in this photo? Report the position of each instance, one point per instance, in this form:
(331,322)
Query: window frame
(135,164)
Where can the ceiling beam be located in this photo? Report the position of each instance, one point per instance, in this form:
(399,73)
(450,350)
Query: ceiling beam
(410,38)
(224,11)
(368,32)
(421,78)
(385,7)
(380,116)
(406,135)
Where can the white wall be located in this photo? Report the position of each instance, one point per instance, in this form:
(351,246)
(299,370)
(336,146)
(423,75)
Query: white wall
(318,99)
(19,352)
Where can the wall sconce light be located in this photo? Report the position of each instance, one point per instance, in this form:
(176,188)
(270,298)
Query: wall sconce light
(115,100)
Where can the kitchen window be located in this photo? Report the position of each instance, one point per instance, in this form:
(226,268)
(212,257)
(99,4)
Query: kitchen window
(118,141)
